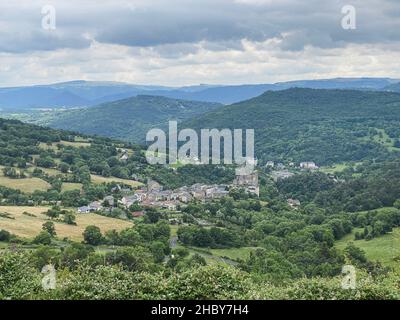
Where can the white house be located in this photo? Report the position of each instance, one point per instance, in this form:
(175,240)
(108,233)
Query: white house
(308,165)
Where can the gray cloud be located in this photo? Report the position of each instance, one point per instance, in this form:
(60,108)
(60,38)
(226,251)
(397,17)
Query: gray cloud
(160,22)
(189,41)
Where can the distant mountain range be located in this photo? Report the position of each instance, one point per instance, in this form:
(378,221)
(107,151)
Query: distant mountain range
(90,93)
(395,87)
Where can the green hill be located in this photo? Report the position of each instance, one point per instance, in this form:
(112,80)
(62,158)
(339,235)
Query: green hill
(129,119)
(324,126)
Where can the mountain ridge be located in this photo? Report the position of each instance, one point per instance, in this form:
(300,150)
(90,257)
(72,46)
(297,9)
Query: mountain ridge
(320,125)
(81,93)
(129,118)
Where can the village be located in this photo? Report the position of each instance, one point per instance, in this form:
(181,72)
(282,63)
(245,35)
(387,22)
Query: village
(153,195)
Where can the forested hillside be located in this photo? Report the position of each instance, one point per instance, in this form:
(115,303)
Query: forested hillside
(324,126)
(29,152)
(129,119)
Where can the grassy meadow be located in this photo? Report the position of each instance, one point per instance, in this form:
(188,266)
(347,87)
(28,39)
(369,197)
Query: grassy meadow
(28,226)
(385,249)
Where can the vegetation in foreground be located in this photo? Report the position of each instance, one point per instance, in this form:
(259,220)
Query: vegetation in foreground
(20,280)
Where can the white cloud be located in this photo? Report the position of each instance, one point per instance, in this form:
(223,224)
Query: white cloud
(179,42)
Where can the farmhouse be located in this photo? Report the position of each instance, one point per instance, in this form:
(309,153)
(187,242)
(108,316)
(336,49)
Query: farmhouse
(95,206)
(280,175)
(293,203)
(270,164)
(308,165)
(138,214)
(84,209)
(110,200)
(124,157)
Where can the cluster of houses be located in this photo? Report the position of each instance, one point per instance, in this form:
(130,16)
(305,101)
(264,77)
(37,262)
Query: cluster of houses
(153,195)
(159,198)
(280,171)
(308,165)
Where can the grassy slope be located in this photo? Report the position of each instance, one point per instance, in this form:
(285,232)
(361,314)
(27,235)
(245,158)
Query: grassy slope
(385,248)
(53,146)
(27,185)
(131,118)
(234,253)
(68,186)
(28,227)
(100,179)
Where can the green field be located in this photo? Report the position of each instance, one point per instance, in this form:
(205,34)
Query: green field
(335,168)
(27,185)
(100,179)
(49,171)
(233,253)
(53,146)
(174,230)
(383,138)
(68,186)
(385,249)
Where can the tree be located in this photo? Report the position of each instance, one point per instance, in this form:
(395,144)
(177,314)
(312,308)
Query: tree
(157,249)
(152,215)
(11,173)
(92,235)
(202,238)
(133,258)
(69,218)
(135,207)
(64,167)
(50,228)
(54,212)
(129,237)
(197,260)
(161,231)
(112,237)
(45,162)
(74,253)
(5,235)
(355,255)
(42,238)
(43,256)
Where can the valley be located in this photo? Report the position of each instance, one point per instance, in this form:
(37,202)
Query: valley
(327,186)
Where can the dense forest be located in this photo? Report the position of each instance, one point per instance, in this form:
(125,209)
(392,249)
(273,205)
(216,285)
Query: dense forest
(324,126)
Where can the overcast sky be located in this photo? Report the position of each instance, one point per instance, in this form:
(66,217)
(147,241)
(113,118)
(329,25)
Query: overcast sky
(182,42)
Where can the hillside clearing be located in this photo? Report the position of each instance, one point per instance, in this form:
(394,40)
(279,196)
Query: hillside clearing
(53,146)
(385,249)
(27,185)
(68,186)
(336,168)
(242,253)
(99,179)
